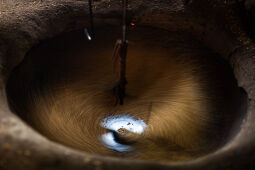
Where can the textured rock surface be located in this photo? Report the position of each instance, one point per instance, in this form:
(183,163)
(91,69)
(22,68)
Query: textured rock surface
(24,23)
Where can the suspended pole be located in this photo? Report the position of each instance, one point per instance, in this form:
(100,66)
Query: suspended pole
(90,37)
(124,16)
(120,53)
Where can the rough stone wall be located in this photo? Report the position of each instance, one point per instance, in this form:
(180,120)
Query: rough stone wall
(24,23)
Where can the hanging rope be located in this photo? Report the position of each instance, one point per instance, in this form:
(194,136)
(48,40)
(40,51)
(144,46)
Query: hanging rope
(120,53)
(124,16)
(91,19)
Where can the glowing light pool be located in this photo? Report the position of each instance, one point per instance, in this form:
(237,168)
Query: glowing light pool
(117,122)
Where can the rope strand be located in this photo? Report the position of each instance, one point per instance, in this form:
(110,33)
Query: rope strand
(91,18)
(120,53)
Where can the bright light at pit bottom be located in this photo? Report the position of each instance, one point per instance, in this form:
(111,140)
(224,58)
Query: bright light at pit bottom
(117,122)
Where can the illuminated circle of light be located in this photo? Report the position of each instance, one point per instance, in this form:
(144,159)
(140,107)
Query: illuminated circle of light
(115,123)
